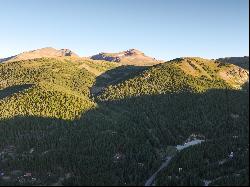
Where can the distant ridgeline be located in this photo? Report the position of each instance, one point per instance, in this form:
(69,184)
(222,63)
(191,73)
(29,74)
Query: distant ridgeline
(129,57)
(40,53)
(238,61)
(67,120)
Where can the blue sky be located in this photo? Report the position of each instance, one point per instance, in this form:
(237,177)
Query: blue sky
(164,29)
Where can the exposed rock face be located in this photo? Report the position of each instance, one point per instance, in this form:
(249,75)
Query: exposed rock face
(103,56)
(131,52)
(48,52)
(129,57)
(67,52)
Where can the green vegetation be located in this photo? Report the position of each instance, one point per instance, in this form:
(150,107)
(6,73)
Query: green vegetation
(60,88)
(210,161)
(162,79)
(46,100)
(56,71)
(54,130)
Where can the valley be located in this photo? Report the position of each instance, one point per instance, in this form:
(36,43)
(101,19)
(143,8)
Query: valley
(70,120)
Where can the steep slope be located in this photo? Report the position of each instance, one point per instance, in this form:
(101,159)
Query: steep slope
(53,132)
(48,87)
(183,74)
(129,57)
(48,52)
(242,62)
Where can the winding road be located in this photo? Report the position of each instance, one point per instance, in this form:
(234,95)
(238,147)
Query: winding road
(152,178)
(169,158)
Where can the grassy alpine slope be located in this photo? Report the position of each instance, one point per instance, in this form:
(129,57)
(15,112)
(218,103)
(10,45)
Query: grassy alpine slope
(53,128)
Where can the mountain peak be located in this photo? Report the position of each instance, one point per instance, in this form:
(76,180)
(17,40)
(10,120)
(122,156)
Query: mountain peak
(47,52)
(128,57)
(133,52)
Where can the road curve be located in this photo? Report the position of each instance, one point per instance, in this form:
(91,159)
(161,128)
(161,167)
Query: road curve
(152,178)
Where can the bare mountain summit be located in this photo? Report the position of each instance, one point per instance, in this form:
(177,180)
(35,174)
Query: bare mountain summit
(129,57)
(48,52)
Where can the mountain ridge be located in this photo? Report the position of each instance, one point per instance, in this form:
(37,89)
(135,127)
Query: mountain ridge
(128,57)
(55,129)
(181,74)
(41,53)
(239,61)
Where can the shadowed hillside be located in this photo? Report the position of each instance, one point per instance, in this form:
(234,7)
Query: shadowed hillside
(238,61)
(55,131)
(115,76)
(123,142)
(13,89)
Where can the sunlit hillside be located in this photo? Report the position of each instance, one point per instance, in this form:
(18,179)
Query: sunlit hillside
(178,75)
(76,121)
(48,87)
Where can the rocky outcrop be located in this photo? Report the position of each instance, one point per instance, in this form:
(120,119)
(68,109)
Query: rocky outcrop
(103,56)
(67,52)
(128,57)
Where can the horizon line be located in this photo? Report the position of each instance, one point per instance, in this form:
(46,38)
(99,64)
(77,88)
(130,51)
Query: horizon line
(103,51)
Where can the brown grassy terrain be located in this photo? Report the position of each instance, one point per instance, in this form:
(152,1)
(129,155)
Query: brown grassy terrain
(129,57)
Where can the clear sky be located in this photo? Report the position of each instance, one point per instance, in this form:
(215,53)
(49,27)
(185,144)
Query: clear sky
(164,29)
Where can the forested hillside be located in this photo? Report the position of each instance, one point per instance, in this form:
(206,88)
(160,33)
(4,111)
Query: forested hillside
(68,121)
(47,87)
(183,74)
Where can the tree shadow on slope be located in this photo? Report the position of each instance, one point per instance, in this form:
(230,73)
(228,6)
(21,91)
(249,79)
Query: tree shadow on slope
(120,142)
(115,76)
(13,89)
(173,117)
(242,62)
